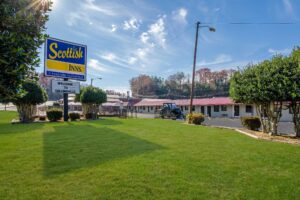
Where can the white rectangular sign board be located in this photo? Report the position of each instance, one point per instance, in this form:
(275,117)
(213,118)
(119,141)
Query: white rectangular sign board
(65,86)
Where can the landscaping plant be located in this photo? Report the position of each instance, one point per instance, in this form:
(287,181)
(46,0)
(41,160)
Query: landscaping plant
(26,104)
(196,118)
(252,123)
(54,114)
(91,98)
(74,116)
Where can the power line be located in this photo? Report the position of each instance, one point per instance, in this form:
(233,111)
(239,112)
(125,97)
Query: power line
(251,23)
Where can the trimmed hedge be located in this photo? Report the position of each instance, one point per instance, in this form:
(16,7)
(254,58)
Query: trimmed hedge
(74,116)
(197,119)
(54,115)
(91,116)
(252,123)
(42,118)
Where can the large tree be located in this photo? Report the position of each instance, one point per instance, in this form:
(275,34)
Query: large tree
(293,93)
(22,23)
(266,85)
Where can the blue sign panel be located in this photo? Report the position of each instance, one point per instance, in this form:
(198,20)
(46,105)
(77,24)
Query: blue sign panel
(65,59)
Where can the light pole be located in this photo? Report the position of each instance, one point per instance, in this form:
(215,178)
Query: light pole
(92,79)
(194,63)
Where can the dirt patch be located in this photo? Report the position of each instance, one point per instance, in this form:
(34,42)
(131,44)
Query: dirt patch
(288,138)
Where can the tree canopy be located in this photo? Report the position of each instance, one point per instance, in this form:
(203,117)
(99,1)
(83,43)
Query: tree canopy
(22,23)
(269,85)
(92,95)
(34,94)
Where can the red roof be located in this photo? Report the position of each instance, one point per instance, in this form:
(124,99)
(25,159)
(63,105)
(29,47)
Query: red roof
(206,101)
(186,102)
(153,102)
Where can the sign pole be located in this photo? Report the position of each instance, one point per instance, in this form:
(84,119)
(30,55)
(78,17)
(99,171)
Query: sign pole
(66,108)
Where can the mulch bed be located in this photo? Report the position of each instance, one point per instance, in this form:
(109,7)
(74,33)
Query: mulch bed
(287,138)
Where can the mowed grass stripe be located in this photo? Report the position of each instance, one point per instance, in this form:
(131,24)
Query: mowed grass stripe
(141,159)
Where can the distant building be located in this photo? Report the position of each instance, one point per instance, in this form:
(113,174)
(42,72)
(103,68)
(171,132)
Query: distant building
(45,82)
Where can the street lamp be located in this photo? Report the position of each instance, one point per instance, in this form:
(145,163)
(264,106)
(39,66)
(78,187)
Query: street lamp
(194,64)
(92,79)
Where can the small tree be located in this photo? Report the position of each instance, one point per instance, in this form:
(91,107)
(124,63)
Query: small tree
(91,98)
(26,104)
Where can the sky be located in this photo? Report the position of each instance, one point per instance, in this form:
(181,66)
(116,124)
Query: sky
(156,37)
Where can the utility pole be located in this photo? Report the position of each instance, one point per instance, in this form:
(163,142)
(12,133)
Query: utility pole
(194,69)
(92,79)
(194,64)
(66,106)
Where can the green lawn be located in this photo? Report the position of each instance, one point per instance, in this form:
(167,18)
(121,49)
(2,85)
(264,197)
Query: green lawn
(141,159)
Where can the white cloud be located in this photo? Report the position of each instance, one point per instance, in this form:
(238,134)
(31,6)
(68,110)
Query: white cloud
(288,6)
(220,59)
(180,15)
(118,61)
(132,24)
(108,56)
(144,37)
(73,18)
(157,30)
(279,51)
(132,60)
(96,65)
(90,5)
(142,52)
(113,28)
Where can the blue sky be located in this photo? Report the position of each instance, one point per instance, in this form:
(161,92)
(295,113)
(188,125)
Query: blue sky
(155,37)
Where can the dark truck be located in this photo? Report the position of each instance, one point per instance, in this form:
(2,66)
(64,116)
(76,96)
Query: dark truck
(171,111)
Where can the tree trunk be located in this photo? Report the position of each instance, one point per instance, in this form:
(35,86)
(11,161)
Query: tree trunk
(90,109)
(295,109)
(274,110)
(26,112)
(260,110)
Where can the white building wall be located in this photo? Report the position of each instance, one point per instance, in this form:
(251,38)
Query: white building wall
(229,113)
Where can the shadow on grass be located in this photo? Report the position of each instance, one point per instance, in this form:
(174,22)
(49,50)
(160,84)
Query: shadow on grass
(71,148)
(106,121)
(8,128)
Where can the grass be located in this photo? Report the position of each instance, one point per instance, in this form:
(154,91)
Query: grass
(141,159)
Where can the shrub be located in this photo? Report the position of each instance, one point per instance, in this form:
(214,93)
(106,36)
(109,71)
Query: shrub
(195,118)
(91,116)
(26,103)
(54,114)
(42,118)
(74,116)
(56,105)
(252,123)
(91,98)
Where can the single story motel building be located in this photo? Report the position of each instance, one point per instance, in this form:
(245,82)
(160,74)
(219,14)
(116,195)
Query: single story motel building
(211,107)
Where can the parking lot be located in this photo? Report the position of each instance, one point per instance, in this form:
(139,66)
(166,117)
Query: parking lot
(284,127)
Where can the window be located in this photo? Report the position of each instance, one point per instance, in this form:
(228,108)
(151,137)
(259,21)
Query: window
(216,108)
(181,108)
(223,108)
(249,109)
(202,109)
(193,108)
(144,108)
(151,108)
(186,108)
